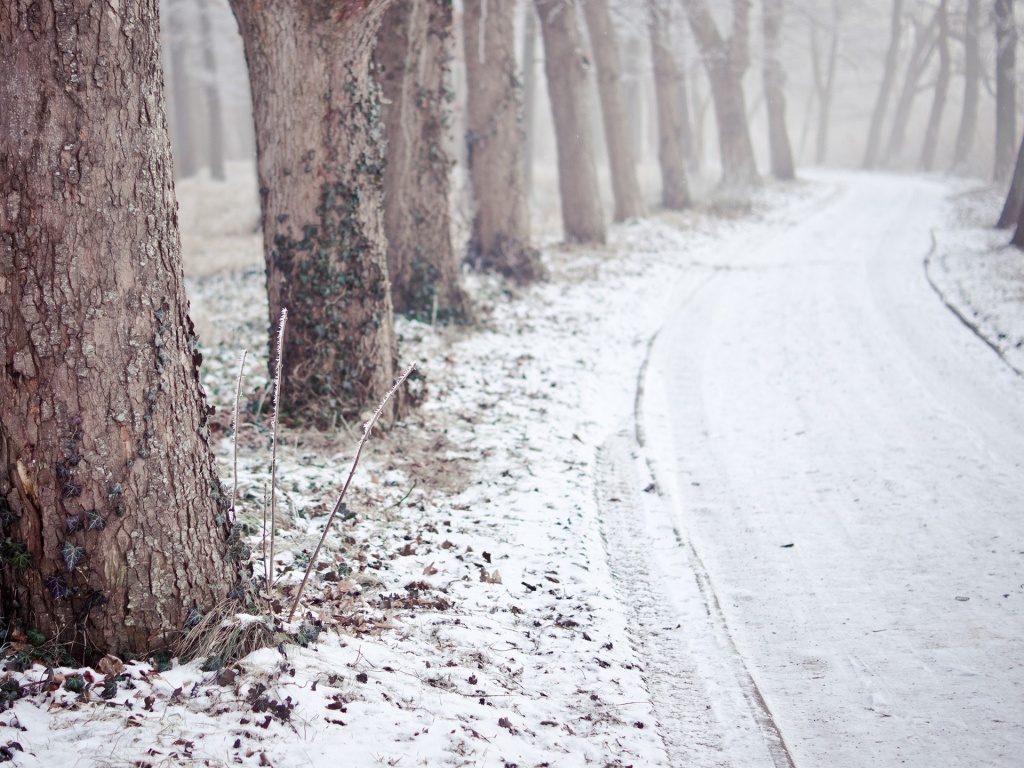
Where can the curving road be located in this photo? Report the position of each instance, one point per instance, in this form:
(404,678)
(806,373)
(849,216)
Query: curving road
(845,458)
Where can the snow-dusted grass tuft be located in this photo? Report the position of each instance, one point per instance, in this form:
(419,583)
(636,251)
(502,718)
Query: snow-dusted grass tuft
(225,634)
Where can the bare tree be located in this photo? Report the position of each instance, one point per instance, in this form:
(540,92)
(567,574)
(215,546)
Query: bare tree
(972,78)
(501,222)
(212,90)
(1006,88)
(925,41)
(411,61)
(726,60)
(320,144)
(566,69)
(686,119)
(1018,232)
(824,76)
(931,136)
(629,203)
(186,157)
(874,142)
(529,90)
(114,532)
(1014,204)
(675,190)
(774,93)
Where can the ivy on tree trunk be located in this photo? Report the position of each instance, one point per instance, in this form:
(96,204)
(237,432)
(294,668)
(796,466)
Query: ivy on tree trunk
(112,514)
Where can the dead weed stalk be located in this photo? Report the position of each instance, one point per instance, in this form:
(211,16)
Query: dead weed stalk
(367,429)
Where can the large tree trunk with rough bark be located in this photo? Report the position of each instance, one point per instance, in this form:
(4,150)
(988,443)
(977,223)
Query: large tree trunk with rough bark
(931,136)
(874,143)
(774,93)
(411,63)
(212,90)
(566,69)
(1006,88)
(726,60)
(972,78)
(113,518)
(675,189)
(629,203)
(320,162)
(501,220)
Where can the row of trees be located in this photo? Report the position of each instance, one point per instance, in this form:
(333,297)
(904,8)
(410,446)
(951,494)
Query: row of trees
(109,493)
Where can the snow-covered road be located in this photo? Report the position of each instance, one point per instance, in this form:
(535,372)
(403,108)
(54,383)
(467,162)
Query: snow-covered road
(844,457)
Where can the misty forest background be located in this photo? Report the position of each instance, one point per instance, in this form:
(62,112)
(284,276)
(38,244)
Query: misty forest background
(833,54)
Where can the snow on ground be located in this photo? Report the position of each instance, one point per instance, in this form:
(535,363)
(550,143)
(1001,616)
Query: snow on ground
(979,274)
(470,613)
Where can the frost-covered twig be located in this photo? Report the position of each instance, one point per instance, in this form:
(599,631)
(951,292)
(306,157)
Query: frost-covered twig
(278,379)
(234,427)
(367,428)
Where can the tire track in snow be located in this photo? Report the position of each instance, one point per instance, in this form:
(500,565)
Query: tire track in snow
(710,709)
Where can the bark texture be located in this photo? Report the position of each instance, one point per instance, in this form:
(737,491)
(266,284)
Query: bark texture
(726,60)
(112,512)
(629,203)
(972,77)
(931,136)
(566,68)
(1006,88)
(774,93)
(874,143)
(675,190)
(501,222)
(411,64)
(320,163)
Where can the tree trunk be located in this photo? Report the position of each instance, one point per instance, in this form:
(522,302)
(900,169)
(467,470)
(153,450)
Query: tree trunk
(824,82)
(411,60)
(726,60)
(675,190)
(774,94)
(186,163)
(1015,197)
(501,222)
(1018,233)
(690,153)
(972,77)
(874,144)
(634,95)
(114,531)
(566,69)
(629,203)
(931,136)
(320,143)
(1006,88)
(212,88)
(924,46)
(529,93)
